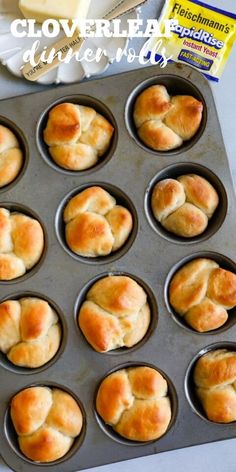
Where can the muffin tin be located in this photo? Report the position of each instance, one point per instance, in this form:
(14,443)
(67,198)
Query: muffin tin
(128,171)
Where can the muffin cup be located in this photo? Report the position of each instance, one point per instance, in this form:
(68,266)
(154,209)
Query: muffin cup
(6,364)
(173,172)
(109,431)
(121,199)
(151,301)
(189,385)
(11,435)
(87,101)
(225,263)
(175,85)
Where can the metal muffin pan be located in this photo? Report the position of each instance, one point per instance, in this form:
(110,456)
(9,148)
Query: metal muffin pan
(179,86)
(129,167)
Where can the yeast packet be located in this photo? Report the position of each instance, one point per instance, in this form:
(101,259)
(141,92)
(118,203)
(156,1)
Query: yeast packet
(203,36)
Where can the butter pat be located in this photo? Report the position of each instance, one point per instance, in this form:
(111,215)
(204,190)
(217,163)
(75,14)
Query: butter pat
(41,10)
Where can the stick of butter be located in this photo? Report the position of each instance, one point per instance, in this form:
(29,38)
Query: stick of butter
(42,10)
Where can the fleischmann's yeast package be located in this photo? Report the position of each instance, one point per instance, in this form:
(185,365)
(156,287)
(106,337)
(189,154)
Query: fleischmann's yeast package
(203,36)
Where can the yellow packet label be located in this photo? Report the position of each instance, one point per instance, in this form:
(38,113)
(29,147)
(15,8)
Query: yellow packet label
(203,36)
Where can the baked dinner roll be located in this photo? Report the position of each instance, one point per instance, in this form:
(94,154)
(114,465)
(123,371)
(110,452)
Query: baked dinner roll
(135,403)
(163,122)
(115,313)
(184,205)
(215,380)
(95,224)
(30,332)
(77,136)
(11,156)
(201,292)
(47,421)
(21,244)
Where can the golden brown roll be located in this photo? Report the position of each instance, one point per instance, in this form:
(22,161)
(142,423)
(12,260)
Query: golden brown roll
(21,244)
(135,403)
(165,122)
(184,205)
(47,421)
(30,332)
(215,380)
(115,314)
(77,136)
(201,292)
(11,156)
(95,224)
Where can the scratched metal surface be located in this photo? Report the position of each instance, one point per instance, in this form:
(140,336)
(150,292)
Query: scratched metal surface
(61,278)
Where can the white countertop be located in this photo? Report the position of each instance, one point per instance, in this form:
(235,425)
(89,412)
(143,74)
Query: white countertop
(215,457)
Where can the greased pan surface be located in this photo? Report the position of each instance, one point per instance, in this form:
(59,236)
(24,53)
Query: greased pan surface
(130,168)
